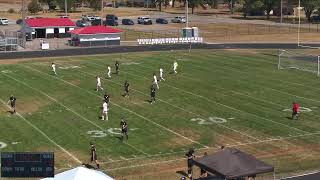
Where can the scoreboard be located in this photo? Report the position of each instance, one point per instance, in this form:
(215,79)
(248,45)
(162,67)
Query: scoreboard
(27,164)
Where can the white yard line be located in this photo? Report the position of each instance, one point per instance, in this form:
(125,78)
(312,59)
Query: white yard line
(45,135)
(219,124)
(69,109)
(126,109)
(300,175)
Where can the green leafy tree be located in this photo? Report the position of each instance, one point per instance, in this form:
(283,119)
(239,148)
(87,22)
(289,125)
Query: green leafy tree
(52,4)
(95,4)
(309,6)
(231,4)
(268,6)
(34,7)
(70,5)
(251,7)
(194,4)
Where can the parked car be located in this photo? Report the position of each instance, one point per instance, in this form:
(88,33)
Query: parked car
(179,19)
(19,21)
(144,20)
(127,22)
(82,23)
(89,17)
(161,21)
(4,21)
(97,22)
(315,18)
(111,20)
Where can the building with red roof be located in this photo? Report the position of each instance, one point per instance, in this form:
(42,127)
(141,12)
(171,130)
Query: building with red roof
(95,36)
(49,27)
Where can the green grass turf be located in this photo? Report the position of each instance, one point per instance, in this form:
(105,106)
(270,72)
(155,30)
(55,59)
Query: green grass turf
(243,89)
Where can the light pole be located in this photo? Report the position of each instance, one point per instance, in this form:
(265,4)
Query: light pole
(101,21)
(299,9)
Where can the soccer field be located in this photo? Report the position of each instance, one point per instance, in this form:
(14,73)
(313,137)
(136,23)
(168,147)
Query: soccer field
(218,98)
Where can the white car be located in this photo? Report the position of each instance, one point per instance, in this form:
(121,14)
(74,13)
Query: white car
(89,17)
(144,20)
(179,19)
(4,21)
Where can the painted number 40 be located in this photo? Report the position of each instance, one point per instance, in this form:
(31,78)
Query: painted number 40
(209,121)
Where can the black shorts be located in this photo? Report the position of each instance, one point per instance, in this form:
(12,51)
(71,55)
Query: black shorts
(124,131)
(153,95)
(190,163)
(13,104)
(294,113)
(94,159)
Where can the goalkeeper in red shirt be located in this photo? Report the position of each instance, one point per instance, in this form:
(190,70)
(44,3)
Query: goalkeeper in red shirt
(295,110)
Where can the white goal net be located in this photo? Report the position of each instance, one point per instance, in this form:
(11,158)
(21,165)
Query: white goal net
(299,61)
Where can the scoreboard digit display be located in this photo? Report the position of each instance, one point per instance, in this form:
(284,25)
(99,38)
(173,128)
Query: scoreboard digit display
(27,164)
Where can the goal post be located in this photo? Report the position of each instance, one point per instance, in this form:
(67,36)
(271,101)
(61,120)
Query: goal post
(293,60)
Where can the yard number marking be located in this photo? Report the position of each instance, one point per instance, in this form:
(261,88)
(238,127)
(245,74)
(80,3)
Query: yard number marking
(2,145)
(97,134)
(209,121)
(6,71)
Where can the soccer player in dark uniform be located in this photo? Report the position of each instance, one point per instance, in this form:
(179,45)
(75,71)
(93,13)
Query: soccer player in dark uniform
(12,102)
(295,110)
(126,89)
(106,98)
(190,158)
(153,94)
(117,67)
(124,129)
(94,155)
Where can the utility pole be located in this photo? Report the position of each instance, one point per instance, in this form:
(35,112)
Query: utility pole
(281,11)
(65,7)
(23,17)
(101,21)
(187,11)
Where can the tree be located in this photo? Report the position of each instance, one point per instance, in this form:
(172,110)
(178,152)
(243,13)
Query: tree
(95,4)
(268,6)
(70,4)
(309,6)
(231,4)
(52,4)
(159,3)
(252,7)
(195,3)
(34,7)
(212,3)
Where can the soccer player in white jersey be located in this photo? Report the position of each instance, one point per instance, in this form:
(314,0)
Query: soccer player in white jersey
(155,80)
(161,74)
(175,66)
(105,110)
(53,65)
(99,83)
(109,72)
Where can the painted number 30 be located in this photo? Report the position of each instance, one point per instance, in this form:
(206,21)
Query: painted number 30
(2,145)
(209,121)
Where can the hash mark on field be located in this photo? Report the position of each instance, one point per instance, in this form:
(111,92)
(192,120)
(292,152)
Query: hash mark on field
(82,117)
(132,112)
(45,135)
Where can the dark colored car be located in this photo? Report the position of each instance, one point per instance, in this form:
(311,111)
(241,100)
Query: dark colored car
(111,20)
(315,18)
(97,22)
(82,23)
(161,21)
(19,21)
(127,22)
